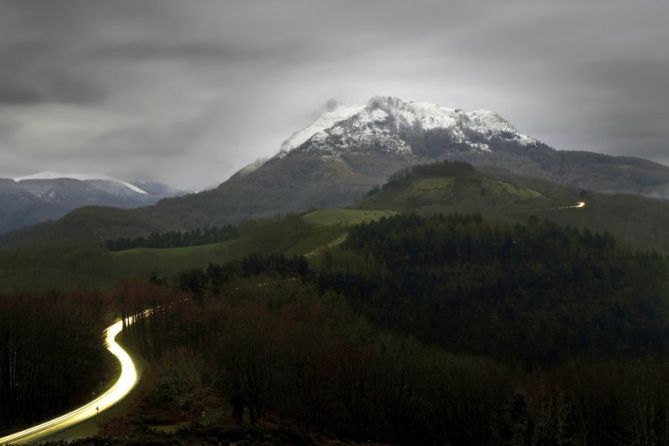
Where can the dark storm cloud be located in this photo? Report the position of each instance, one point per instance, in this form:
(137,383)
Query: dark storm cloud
(11,93)
(189,91)
(48,88)
(34,72)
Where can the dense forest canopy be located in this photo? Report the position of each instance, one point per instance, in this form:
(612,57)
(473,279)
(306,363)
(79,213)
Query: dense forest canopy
(536,292)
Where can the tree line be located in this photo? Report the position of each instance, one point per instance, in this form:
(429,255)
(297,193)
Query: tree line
(175,239)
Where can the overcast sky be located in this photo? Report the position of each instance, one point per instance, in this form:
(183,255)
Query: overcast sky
(188,91)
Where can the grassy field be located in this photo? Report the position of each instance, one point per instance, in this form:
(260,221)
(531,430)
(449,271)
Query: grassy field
(91,266)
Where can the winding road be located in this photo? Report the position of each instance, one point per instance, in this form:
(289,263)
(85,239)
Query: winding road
(125,383)
(579,205)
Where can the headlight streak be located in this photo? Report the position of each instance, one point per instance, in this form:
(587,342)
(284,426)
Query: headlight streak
(125,383)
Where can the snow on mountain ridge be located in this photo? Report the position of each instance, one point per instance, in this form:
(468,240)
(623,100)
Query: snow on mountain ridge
(335,113)
(382,121)
(80,177)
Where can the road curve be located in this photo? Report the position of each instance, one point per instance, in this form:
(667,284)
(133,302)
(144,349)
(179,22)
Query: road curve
(125,383)
(579,205)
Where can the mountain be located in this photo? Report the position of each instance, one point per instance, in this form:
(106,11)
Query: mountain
(419,130)
(47,196)
(347,150)
(341,155)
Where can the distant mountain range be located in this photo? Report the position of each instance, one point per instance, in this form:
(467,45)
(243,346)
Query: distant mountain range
(47,196)
(347,150)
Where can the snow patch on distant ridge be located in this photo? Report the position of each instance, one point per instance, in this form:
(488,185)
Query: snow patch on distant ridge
(80,177)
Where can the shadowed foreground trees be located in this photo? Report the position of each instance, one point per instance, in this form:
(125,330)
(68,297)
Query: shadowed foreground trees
(51,354)
(541,335)
(273,345)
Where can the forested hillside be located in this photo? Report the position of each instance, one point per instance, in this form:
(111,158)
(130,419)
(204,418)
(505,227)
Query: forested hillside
(415,330)
(437,330)
(534,293)
(448,187)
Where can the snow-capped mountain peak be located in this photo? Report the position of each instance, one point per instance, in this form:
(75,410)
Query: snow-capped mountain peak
(334,112)
(390,124)
(427,116)
(80,177)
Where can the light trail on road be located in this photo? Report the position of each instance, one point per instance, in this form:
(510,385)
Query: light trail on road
(125,383)
(579,205)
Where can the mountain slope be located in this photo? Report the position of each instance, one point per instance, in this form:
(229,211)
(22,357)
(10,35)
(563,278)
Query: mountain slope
(81,177)
(500,194)
(47,196)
